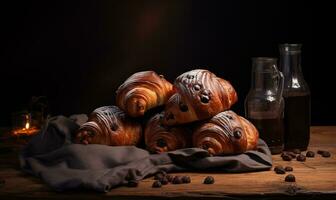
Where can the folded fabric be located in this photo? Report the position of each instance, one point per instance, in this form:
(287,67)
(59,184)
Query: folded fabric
(53,157)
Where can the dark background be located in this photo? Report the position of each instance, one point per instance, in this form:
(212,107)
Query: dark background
(78,52)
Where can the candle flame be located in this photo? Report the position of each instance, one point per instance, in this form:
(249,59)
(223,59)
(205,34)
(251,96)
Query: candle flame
(27,125)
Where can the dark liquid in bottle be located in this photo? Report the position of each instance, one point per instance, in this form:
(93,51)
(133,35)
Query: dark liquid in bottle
(297,122)
(272,132)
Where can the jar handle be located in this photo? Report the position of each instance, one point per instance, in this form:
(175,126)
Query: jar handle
(280,84)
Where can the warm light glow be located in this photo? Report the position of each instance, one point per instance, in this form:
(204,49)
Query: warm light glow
(27,125)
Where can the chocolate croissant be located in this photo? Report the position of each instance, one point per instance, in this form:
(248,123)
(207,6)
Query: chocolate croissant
(143,91)
(160,138)
(199,95)
(109,125)
(226,133)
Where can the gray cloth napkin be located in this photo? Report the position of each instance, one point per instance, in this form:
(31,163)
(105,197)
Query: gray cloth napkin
(51,156)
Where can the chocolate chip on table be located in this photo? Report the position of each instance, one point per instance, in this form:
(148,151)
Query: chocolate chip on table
(169,177)
(177,180)
(209,180)
(288,169)
(326,154)
(296,151)
(279,170)
(164,181)
(278,167)
(320,151)
(290,178)
(292,154)
(156,184)
(186,179)
(286,157)
(132,183)
(310,154)
(288,153)
(301,158)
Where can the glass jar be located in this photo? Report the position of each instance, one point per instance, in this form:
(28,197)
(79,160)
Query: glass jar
(297,98)
(264,104)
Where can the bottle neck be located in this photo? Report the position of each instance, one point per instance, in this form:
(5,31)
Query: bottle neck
(264,69)
(290,65)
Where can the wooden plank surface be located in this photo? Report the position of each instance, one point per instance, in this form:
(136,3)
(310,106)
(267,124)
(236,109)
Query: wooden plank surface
(315,177)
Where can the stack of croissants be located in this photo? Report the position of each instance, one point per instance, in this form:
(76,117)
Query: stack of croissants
(195,113)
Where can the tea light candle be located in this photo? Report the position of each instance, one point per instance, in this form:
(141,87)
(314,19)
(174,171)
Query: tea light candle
(27,129)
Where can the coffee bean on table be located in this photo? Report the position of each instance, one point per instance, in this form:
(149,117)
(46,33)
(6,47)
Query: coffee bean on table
(186,179)
(288,169)
(293,155)
(301,158)
(169,177)
(177,180)
(286,157)
(164,181)
(320,151)
(156,184)
(296,151)
(290,178)
(209,180)
(326,154)
(132,183)
(279,170)
(278,167)
(310,154)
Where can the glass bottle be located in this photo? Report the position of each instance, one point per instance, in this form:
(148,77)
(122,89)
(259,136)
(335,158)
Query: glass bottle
(297,98)
(264,104)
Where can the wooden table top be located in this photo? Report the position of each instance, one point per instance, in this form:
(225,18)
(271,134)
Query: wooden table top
(315,178)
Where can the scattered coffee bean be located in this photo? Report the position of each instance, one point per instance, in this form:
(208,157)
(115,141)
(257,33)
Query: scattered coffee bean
(286,157)
(169,177)
(296,151)
(320,151)
(288,169)
(310,154)
(209,180)
(290,178)
(132,183)
(177,180)
(279,170)
(326,154)
(156,184)
(288,153)
(164,181)
(301,158)
(186,179)
(292,154)
(278,167)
